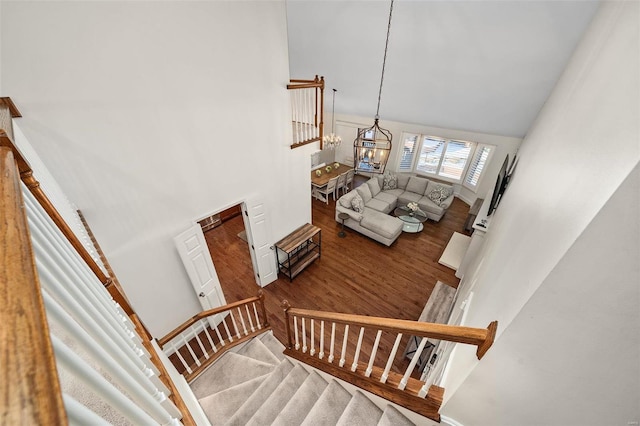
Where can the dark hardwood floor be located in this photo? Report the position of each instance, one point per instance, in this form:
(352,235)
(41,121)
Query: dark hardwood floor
(354,274)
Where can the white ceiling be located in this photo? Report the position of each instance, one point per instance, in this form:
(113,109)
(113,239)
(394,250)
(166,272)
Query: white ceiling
(483,66)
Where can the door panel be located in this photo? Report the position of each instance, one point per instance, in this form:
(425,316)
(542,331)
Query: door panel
(258,228)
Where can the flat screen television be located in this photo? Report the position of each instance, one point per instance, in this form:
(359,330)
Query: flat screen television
(501,184)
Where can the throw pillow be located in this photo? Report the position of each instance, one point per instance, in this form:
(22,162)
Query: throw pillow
(439,194)
(365,193)
(390,181)
(357,204)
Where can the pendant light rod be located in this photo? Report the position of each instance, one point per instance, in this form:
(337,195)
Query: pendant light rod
(384,60)
(333,113)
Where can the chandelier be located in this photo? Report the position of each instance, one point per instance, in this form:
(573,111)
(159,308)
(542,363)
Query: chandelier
(332,140)
(373,144)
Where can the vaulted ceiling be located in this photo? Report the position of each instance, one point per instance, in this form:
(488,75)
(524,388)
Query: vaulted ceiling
(483,66)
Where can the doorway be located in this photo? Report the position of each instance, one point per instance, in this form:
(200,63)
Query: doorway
(226,237)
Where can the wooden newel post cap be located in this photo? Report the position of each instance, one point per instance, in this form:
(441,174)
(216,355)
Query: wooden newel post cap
(285,305)
(260,294)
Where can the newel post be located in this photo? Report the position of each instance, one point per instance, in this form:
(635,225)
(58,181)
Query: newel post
(262,308)
(286,306)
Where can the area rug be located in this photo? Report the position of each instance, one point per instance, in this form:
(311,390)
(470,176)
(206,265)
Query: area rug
(243,235)
(455,250)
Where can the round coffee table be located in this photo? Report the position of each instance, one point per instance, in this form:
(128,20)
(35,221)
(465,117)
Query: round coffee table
(413,221)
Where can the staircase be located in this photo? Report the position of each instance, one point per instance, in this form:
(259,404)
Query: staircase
(257,385)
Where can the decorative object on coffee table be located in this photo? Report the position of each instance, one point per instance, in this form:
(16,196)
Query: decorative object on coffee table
(342,217)
(413,220)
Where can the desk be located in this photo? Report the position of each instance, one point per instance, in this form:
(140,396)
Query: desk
(325,177)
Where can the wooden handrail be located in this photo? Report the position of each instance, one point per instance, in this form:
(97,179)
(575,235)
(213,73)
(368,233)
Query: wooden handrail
(204,314)
(26,174)
(481,337)
(29,390)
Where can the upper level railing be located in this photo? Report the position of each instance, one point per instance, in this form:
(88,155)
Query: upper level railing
(307,103)
(206,336)
(333,342)
(66,343)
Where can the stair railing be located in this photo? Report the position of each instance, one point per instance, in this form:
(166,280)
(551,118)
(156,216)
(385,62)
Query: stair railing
(323,340)
(57,317)
(307,109)
(203,338)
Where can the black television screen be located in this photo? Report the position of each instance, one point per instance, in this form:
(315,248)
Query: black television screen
(498,190)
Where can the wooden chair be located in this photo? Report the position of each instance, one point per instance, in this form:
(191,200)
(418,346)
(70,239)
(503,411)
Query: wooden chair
(330,188)
(341,185)
(349,182)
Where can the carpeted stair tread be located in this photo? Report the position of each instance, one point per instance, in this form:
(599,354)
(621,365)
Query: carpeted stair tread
(269,410)
(273,344)
(301,403)
(221,406)
(257,350)
(230,370)
(360,412)
(329,407)
(263,392)
(392,417)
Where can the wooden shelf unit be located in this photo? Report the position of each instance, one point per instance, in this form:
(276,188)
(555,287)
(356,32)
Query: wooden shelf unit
(298,250)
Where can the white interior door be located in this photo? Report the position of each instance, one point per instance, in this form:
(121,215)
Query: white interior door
(258,229)
(195,255)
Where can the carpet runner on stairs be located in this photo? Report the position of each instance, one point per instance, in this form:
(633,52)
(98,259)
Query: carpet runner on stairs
(257,385)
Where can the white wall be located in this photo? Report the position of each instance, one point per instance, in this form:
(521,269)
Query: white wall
(152,114)
(347,128)
(583,145)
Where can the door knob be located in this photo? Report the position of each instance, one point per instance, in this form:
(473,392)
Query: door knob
(201,294)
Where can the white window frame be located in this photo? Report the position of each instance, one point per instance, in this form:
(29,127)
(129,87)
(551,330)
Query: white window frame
(471,159)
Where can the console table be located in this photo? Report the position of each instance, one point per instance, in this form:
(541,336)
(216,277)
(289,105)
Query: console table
(298,250)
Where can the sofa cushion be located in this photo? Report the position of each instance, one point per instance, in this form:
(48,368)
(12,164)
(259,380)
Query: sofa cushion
(380,205)
(374,186)
(380,223)
(387,197)
(428,206)
(403,180)
(389,181)
(365,193)
(394,192)
(408,197)
(357,204)
(345,200)
(438,193)
(417,185)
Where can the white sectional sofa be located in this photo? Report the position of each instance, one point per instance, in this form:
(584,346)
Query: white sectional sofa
(380,195)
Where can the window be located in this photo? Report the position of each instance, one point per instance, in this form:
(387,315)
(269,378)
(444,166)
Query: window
(451,160)
(480,159)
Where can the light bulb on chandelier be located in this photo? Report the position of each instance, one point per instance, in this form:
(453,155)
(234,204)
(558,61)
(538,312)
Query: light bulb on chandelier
(332,140)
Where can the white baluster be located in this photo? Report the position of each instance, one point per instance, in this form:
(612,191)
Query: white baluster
(107,391)
(412,364)
(333,341)
(205,325)
(193,355)
(304,337)
(181,358)
(235,326)
(246,307)
(392,356)
(354,366)
(195,331)
(244,327)
(343,354)
(295,331)
(255,311)
(143,393)
(321,348)
(372,359)
(226,328)
(80,415)
(313,339)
